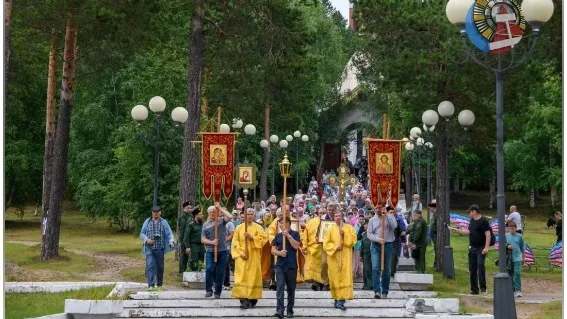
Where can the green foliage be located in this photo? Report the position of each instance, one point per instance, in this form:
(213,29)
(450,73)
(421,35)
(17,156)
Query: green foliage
(534,158)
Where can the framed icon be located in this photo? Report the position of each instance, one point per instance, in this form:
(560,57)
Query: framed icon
(245,175)
(217,155)
(384,163)
(323,227)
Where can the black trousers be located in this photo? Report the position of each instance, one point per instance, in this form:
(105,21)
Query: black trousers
(285,279)
(477,269)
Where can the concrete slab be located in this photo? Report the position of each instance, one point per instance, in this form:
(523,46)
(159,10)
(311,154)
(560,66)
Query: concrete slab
(433,305)
(409,281)
(263,312)
(126,288)
(414,278)
(55,316)
(99,307)
(358,294)
(262,303)
(454,316)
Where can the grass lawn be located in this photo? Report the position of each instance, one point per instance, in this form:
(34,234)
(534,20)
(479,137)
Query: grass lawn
(69,265)
(17,306)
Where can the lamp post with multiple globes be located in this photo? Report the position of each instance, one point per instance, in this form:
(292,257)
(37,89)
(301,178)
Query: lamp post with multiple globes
(536,13)
(140,113)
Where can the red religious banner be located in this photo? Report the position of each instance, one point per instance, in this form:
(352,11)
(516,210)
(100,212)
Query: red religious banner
(384,167)
(218,164)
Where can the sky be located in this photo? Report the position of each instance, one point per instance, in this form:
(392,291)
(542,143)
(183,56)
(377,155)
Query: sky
(342,6)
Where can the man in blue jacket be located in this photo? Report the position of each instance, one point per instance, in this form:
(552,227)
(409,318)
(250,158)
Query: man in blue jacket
(155,233)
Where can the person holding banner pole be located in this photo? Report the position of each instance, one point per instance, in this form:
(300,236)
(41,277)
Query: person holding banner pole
(213,236)
(381,233)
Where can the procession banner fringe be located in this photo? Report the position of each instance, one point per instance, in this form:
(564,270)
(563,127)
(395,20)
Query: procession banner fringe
(217,161)
(384,167)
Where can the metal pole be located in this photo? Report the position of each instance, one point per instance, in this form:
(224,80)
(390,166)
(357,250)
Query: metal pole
(504,304)
(235,188)
(156,161)
(297,169)
(447,180)
(448,262)
(428,187)
(273,177)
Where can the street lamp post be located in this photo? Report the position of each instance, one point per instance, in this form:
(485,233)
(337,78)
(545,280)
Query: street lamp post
(430,118)
(536,13)
(140,113)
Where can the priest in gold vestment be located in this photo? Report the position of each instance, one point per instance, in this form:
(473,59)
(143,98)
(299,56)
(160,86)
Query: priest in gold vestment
(338,243)
(247,257)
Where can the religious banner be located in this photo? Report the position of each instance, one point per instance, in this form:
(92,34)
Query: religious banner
(218,164)
(384,170)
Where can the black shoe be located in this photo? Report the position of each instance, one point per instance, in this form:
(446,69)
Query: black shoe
(342,307)
(473,293)
(273,287)
(315,287)
(290,314)
(279,314)
(217,296)
(384,296)
(245,304)
(209,294)
(326,288)
(377,295)
(253,303)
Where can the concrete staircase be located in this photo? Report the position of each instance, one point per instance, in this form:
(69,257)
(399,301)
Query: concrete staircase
(408,298)
(309,304)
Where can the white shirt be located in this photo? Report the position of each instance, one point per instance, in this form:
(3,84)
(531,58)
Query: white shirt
(516,218)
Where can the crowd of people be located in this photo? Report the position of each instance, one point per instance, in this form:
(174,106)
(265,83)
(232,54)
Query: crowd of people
(258,245)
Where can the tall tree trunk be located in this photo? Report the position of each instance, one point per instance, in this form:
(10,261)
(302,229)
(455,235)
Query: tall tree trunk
(443,186)
(189,187)
(532,198)
(52,223)
(7,40)
(492,192)
(49,121)
(266,159)
(457,184)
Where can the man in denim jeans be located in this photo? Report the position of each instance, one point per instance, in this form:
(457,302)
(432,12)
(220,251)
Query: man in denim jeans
(216,269)
(374,233)
(154,234)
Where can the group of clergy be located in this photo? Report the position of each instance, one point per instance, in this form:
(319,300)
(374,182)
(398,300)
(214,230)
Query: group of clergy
(294,256)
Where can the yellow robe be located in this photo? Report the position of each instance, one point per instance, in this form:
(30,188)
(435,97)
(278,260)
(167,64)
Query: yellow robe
(248,273)
(313,260)
(340,262)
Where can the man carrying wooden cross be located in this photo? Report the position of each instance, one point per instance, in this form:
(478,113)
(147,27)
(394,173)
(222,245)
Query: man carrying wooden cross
(382,239)
(213,236)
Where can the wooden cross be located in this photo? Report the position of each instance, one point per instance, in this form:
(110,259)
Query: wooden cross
(344,180)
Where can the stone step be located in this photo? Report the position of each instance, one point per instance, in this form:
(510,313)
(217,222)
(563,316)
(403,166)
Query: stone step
(302,286)
(262,303)
(267,317)
(264,312)
(302,294)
